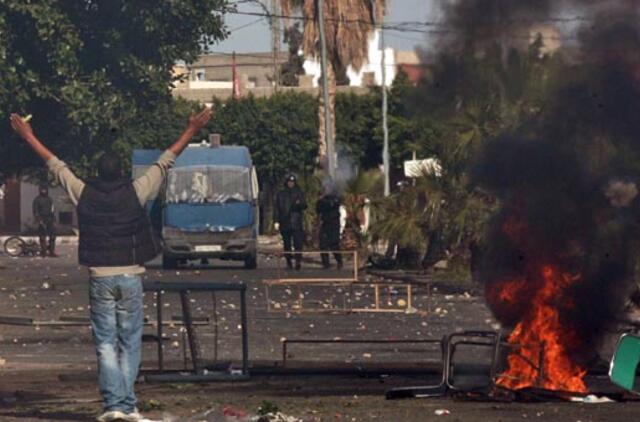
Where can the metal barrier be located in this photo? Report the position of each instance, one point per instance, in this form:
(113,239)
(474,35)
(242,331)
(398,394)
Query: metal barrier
(347,283)
(199,373)
(286,342)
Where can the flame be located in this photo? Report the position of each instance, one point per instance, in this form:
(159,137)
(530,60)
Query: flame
(509,293)
(539,355)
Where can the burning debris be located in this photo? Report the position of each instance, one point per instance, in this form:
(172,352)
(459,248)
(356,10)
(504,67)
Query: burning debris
(559,258)
(559,262)
(541,357)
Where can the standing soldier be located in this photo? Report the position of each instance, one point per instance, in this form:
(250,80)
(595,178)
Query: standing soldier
(44,216)
(328,210)
(289,219)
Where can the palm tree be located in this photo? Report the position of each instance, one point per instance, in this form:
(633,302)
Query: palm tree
(348,24)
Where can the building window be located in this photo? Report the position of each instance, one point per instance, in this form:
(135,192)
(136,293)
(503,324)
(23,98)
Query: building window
(198,74)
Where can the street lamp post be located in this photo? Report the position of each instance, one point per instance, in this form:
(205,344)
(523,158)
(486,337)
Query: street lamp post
(385,124)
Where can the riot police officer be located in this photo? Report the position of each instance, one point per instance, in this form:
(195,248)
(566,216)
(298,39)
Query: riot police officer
(289,219)
(328,210)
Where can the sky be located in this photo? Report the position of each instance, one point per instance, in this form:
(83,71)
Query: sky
(250,34)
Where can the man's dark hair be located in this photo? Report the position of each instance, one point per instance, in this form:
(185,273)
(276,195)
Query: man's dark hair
(109,167)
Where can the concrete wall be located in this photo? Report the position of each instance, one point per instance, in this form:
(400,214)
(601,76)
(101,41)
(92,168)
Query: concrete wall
(210,85)
(206,95)
(257,68)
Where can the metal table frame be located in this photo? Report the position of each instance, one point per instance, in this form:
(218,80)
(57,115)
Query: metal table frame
(493,339)
(183,289)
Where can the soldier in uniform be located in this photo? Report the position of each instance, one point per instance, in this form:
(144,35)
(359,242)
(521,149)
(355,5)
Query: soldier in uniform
(43,213)
(289,219)
(328,210)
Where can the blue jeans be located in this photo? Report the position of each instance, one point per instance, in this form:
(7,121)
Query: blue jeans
(116,320)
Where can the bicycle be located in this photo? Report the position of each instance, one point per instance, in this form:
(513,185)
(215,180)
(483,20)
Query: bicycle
(16,246)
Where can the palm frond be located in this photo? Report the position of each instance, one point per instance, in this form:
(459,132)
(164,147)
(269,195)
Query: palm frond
(348,24)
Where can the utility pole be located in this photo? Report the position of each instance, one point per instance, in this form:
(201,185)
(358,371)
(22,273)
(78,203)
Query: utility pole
(325,92)
(275,42)
(385,125)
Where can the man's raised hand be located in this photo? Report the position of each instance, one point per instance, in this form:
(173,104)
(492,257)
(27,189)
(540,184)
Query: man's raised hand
(198,121)
(21,126)
(24,130)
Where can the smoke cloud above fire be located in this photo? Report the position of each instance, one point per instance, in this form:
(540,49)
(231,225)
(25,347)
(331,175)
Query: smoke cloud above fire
(568,180)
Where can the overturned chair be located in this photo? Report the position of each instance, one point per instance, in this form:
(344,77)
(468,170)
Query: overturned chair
(450,343)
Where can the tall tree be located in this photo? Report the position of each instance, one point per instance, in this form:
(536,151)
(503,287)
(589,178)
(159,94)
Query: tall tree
(290,70)
(348,24)
(96,74)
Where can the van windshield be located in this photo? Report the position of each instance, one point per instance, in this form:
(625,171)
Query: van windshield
(207,184)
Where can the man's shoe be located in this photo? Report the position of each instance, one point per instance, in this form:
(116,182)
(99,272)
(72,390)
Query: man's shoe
(113,416)
(340,265)
(135,416)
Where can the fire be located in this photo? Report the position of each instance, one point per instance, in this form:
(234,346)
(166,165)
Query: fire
(539,357)
(509,292)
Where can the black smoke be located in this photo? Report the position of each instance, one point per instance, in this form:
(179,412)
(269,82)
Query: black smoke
(476,23)
(568,184)
(555,212)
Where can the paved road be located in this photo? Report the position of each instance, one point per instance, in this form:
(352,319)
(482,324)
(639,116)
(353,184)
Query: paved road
(48,289)
(55,288)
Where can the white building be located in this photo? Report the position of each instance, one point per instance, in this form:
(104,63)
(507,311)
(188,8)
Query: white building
(370,69)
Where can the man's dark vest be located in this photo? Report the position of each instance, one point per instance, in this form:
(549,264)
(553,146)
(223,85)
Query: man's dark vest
(114,227)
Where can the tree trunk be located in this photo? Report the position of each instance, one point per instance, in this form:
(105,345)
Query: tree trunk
(435,250)
(322,138)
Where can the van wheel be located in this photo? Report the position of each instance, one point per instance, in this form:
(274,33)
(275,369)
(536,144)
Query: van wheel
(169,263)
(251,262)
